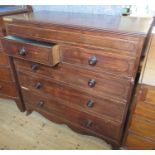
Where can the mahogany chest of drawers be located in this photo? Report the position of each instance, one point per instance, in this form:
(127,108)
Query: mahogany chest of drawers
(77,69)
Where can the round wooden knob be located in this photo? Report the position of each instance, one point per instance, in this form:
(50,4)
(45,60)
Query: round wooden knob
(92,60)
(91,83)
(22,51)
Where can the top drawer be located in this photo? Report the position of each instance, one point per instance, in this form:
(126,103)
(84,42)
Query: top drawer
(58,33)
(42,52)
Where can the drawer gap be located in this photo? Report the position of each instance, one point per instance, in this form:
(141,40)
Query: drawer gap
(30,41)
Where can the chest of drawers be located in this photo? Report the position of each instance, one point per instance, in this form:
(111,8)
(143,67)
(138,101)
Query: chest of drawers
(75,72)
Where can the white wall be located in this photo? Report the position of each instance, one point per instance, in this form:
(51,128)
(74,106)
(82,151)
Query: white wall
(93,9)
(137,10)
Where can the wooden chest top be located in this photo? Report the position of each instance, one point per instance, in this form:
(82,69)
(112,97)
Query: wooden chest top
(119,24)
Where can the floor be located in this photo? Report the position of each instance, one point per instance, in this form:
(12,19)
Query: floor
(34,132)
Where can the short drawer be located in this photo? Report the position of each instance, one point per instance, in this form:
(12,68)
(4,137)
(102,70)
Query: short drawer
(8,89)
(3,58)
(90,81)
(99,60)
(45,53)
(73,97)
(93,123)
(6,74)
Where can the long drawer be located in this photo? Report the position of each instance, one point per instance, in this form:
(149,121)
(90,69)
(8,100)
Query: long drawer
(28,49)
(99,60)
(101,126)
(60,34)
(72,96)
(92,82)
(8,88)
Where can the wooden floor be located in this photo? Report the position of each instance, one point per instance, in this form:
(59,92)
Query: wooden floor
(34,132)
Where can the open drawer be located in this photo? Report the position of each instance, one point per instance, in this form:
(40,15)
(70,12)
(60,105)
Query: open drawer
(28,49)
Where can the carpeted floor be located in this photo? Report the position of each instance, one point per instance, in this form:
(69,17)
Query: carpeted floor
(34,132)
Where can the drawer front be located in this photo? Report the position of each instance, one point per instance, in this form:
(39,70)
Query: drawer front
(92,82)
(31,50)
(143,127)
(8,89)
(6,74)
(101,61)
(72,97)
(138,143)
(101,126)
(3,59)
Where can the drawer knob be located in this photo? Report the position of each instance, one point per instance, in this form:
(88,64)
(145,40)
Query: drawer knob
(40,103)
(22,51)
(91,83)
(92,60)
(38,85)
(34,67)
(0,87)
(90,103)
(88,123)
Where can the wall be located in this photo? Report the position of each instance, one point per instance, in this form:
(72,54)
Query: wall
(137,10)
(93,9)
